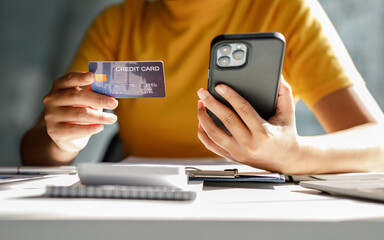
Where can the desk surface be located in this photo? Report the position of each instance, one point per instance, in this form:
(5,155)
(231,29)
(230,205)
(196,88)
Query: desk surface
(223,210)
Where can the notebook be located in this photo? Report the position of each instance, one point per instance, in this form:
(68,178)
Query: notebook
(120,192)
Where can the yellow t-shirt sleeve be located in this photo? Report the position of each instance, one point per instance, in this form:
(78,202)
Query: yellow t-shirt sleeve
(316,61)
(100,42)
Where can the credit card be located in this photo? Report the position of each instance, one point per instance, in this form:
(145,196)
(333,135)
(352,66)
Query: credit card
(129,79)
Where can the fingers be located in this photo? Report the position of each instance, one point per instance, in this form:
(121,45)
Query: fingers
(210,145)
(78,96)
(254,141)
(217,135)
(68,91)
(74,79)
(242,107)
(63,131)
(79,115)
(73,113)
(230,120)
(285,106)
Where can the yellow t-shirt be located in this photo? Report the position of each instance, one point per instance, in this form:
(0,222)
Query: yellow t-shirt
(179,33)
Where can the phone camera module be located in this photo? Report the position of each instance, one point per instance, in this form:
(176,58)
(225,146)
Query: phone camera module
(224,61)
(231,54)
(238,55)
(225,50)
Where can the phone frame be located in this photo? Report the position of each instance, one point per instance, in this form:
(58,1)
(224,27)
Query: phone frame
(247,39)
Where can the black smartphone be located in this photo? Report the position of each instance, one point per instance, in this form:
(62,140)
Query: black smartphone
(251,64)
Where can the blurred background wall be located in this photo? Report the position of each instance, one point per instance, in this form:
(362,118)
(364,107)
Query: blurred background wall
(38,40)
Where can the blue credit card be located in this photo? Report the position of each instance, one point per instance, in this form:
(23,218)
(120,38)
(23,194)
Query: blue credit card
(129,79)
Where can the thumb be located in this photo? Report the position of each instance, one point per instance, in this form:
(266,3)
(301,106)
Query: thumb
(285,107)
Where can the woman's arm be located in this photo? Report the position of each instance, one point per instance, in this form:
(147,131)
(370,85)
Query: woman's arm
(356,126)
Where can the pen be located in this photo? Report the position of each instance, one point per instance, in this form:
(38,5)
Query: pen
(38,170)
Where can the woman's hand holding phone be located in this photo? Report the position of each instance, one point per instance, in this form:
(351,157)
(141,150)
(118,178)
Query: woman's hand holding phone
(256,142)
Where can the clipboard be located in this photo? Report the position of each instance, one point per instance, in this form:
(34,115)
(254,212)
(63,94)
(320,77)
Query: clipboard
(232,175)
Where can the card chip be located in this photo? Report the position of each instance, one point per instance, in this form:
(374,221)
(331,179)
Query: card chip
(101,77)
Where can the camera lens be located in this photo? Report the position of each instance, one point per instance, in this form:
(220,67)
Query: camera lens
(238,55)
(224,61)
(225,50)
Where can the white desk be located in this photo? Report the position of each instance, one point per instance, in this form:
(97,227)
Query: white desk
(255,211)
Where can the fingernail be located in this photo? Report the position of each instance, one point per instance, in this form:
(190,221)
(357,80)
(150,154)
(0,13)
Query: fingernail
(200,104)
(202,94)
(112,103)
(87,77)
(112,118)
(220,89)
